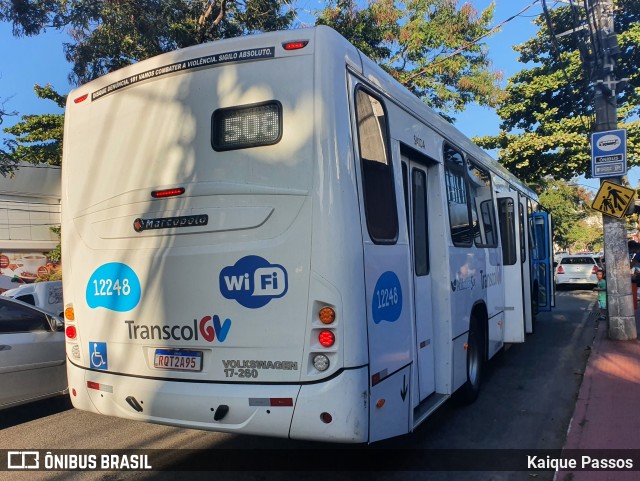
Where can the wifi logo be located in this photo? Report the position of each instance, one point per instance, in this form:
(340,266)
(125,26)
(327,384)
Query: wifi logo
(253,282)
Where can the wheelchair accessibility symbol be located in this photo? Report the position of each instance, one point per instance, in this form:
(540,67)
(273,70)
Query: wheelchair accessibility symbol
(98,355)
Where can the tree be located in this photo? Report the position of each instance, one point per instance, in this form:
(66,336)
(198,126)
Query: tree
(4,111)
(548,112)
(567,205)
(587,235)
(108,35)
(427,45)
(37,139)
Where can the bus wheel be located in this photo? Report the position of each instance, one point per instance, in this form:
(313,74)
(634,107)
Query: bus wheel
(475,361)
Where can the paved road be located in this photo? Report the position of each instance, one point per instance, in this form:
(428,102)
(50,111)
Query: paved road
(527,400)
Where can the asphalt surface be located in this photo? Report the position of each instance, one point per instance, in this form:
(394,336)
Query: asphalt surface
(528,396)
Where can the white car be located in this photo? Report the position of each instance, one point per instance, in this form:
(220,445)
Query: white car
(45,295)
(32,354)
(577,269)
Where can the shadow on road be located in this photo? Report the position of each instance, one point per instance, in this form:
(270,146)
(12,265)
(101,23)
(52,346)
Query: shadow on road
(35,410)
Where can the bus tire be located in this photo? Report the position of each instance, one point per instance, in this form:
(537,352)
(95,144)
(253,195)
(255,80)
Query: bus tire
(475,360)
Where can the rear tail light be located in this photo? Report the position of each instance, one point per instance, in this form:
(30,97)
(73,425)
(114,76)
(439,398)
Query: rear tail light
(326,338)
(321,362)
(560,270)
(161,194)
(69,314)
(327,315)
(71,332)
(297,45)
(594,270)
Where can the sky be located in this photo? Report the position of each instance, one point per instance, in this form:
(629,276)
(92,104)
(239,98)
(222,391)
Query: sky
(40,60)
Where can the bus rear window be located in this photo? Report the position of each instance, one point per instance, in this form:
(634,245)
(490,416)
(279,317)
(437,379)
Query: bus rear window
(247,126)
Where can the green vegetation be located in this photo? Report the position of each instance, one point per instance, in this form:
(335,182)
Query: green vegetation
(548,111)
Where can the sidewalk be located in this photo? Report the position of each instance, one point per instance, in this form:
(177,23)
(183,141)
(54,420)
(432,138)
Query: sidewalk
(607,412)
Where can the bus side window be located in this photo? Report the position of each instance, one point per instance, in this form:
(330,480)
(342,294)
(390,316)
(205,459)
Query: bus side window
(420,225)
(481,197)
(506,216)
(461,233)
(377,172)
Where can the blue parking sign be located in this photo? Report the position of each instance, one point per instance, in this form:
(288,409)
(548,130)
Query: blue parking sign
(609,153)
(98,355)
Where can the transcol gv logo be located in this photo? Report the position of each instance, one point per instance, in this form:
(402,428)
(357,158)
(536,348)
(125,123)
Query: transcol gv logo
(208,328)
(253,282)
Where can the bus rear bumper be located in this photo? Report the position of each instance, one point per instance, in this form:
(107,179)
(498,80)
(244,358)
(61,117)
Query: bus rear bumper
(294,411)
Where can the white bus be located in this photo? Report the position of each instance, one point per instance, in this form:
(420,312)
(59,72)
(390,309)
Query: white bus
(269,235)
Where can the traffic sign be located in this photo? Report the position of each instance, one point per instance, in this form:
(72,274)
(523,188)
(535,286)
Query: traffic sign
(613,199)
(609,153)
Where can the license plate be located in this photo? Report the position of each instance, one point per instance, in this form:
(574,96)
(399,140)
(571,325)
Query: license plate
(177,360)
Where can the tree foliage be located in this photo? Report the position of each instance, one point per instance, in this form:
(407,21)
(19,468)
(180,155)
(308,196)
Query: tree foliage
(548,111)
(569,208)
(416,42)
(4,111)
(107,35)
(36,139)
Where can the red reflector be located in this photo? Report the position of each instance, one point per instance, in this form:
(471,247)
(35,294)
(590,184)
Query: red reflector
(71,332)
(295,45)
(93,385)
(326,338)
(159,194)
(80,99)
(73,391)
(326,418)
(281,401)
(375,379)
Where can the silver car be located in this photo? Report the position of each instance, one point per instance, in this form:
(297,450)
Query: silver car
(32,354)
(577,269)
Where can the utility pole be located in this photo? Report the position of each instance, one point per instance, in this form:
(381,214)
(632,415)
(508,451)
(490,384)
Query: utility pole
(622,323)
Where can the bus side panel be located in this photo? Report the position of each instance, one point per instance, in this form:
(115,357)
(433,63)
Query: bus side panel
(345,398)
(388,294)
(337,256)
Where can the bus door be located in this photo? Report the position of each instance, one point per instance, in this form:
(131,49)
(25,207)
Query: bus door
(415,182)
(525,252)
(508,207)
(542,264)
(386,269)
